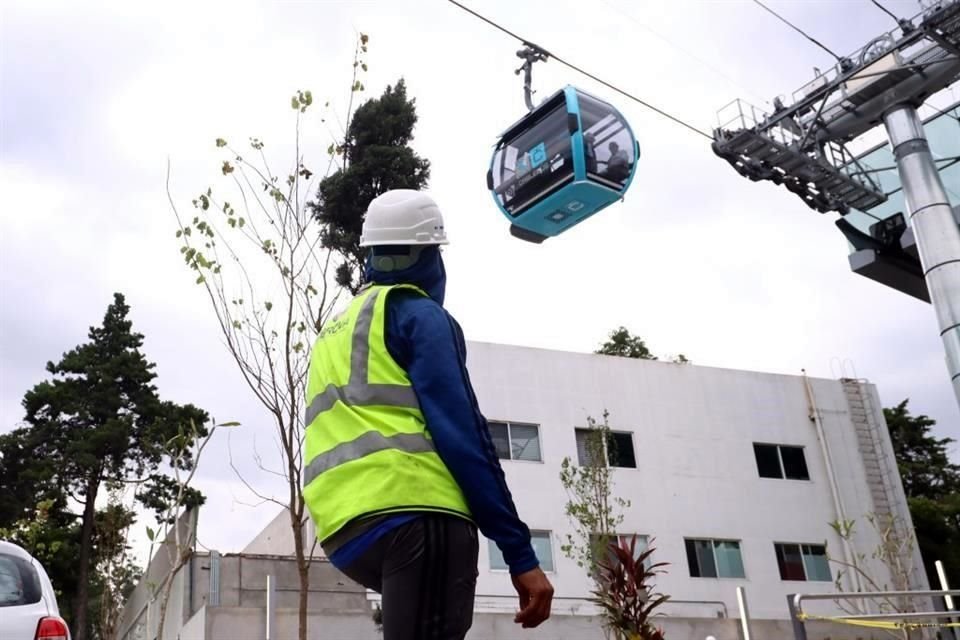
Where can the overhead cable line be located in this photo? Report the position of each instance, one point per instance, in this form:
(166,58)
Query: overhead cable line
(691,55)
(799,30)
(584,72)
(886,11)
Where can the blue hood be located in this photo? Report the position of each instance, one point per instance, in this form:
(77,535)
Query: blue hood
(428,274)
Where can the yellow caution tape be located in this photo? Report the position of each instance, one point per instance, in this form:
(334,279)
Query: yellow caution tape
(878,624)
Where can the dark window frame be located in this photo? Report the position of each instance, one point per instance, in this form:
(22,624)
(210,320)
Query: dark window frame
(763,468)
(607,451)
(693,559)
(509,424)
(803,549)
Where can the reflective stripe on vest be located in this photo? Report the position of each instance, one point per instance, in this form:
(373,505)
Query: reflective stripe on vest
(368,443)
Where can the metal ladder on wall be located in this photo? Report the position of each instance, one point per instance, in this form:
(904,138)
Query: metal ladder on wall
(879,466)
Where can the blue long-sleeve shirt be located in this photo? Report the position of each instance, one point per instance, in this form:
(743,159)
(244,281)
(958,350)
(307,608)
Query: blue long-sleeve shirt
(429,345)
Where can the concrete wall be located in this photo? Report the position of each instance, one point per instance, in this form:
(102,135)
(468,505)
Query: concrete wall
(196,627)
(248,624)
(693,432)
(243,581)
(277,537)
(340,609)
(141,614)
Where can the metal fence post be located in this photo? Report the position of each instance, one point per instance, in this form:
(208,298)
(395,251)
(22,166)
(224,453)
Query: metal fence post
(947,599)
(799,629)
(271,631)
(744,614)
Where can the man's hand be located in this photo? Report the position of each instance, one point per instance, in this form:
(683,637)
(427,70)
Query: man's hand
(536,594)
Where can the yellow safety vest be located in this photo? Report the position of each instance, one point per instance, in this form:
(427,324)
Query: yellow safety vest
(367,450)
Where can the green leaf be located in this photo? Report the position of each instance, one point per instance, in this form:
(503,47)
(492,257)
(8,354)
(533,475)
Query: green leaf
(221,142)
(268,305)
(151,534)
(201,280)
(226,168)
(241,222)
(294,103)
(229,424)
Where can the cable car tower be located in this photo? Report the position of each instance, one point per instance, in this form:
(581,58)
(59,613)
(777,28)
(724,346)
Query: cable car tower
(804,147)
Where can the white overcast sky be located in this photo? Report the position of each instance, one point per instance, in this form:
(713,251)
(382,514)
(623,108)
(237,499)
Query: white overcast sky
(95,97)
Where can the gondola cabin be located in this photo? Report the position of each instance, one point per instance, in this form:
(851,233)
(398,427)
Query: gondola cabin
(561,163)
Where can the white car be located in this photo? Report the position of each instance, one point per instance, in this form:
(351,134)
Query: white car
(28,606)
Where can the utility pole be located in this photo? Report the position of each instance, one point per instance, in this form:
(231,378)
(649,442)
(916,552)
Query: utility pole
(803,146)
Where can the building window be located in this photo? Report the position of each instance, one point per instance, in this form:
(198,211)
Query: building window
(618,449)
(516,441)
(714,558)
(803,562)
(780,461)
(541,546)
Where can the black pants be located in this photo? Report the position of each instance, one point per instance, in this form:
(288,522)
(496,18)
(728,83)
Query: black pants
(426,571)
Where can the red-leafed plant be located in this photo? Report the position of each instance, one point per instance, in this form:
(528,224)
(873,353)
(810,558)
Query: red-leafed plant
(625,591)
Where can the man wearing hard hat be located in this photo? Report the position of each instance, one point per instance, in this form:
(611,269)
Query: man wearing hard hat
(400,468)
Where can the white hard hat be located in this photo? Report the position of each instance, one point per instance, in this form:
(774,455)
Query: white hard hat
(403,216)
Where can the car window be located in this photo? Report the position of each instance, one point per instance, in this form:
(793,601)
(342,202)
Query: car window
(19,583)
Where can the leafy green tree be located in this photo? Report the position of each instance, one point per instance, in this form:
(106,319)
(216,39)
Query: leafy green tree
(376,158)
(622,343)
(932,485)
(592,507)
(99,420)
(52,535)
(116,573)
(626,345)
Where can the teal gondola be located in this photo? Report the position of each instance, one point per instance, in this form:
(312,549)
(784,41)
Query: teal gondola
(567,159)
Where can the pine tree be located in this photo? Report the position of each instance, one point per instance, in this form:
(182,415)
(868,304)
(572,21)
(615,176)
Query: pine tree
(98,420)
(376,158)
(932,485)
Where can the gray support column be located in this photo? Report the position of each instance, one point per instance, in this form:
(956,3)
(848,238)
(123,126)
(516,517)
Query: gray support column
(935,230)
(744,613)
(270,633)
(799,630)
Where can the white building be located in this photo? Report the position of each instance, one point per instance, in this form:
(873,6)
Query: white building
(694,439)
(736,474)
